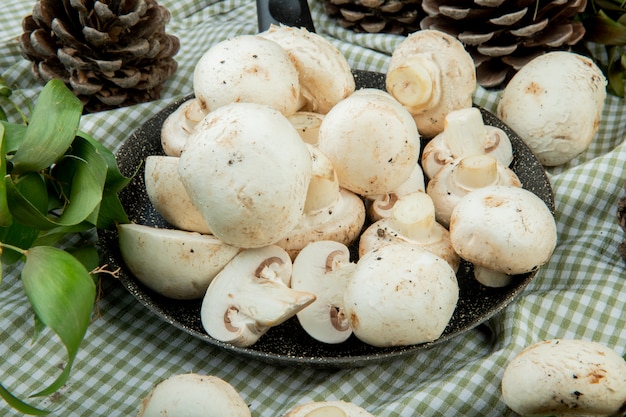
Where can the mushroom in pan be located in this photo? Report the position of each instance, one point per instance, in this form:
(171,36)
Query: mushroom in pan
(250,295)
(400,294)
(178,126)
(324,269)
(379,206)
(247,69)
(372,142)
(465,134)
(247,172)
(463,175)
(554,103)
(330,212)
(323,72)
(566,377)
(431,74)
(412,220)
(167,194)
(193,395)
(503,231)
(330,408)
(174,263)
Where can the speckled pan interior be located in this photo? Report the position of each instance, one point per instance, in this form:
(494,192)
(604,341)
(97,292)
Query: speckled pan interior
(288,344)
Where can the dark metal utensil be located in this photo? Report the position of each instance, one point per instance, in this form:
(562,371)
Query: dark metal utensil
(294,13)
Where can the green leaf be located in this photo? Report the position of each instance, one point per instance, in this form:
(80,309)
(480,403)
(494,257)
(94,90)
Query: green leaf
(62,294)
(615,72)
(601,29)
(51,129)
(87,255)
(20,405)
(115,181)
(111,212)
(14,136)
(83,174)
(25,204)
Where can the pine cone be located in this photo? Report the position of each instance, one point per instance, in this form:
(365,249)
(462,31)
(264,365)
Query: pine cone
(399,17)
(504,35)
(110,53)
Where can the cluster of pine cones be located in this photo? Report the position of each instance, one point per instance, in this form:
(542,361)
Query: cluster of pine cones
(501,35)
(111,53)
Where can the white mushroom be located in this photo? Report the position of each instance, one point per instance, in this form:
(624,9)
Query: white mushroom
(503,229)
(412,220)
(380,206)
(250,295)
(324,269)
(173,263)
(307,124)
(247,172)
(400,294)
(465,134)
(566,377)
(372,142)
(431,74)
(250,69)
(554,103)
(324,73)
(178,126)
(193,395)
(331,408)
(463,175)
(167,194)
(330,212)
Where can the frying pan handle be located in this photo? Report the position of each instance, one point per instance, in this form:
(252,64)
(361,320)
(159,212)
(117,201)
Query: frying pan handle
(287,12)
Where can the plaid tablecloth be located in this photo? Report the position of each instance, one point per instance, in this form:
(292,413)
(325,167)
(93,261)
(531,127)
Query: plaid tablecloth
(580,293)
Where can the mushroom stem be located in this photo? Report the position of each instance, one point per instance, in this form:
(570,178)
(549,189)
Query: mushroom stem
(413,216)
(491,278)
(464,132)
(416,83)
(323,190)
(475,171)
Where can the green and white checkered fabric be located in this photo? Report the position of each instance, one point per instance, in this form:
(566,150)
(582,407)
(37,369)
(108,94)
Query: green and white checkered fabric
(580,293)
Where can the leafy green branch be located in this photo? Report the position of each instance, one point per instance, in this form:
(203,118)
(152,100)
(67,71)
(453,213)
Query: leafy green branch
(55,181)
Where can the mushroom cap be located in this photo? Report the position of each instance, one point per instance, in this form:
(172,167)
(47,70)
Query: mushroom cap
(506,229)
(173,263)
(372,142)
(193,395)
(167,194)
(454,78)
(400,294)
(250,295)
(324,73)
(333,408)
(554,103)
(247,68)
(178,126)
(457,178)
(247,172)
(565,376)
(324,269)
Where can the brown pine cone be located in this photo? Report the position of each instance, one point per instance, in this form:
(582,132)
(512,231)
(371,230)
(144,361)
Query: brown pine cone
(399,17)
(111,53)
(503,35)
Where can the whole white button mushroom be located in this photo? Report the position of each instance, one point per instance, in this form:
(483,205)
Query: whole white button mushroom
(400,294)
(412,220)
(566,377)
(167,194)
(505,229)
(247,172)
(554,103)
(174,263)
(324,73)
(250,69)
(193,395)
(463,175)
(372,142)
(250,295)
(431,74)
(331,408)
(465,134)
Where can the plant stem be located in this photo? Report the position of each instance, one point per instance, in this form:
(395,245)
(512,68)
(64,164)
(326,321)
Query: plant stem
(15,248)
